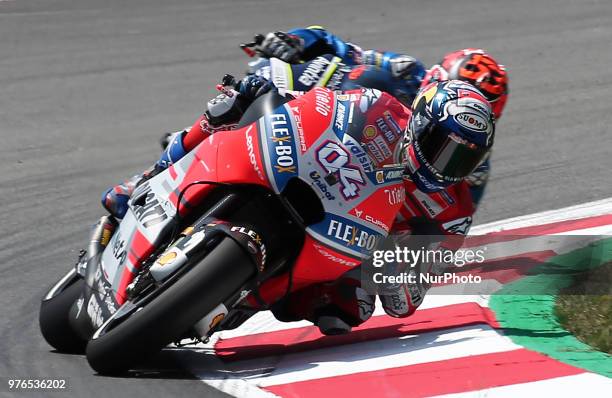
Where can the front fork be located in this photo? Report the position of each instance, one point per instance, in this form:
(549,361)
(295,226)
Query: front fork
(192,245)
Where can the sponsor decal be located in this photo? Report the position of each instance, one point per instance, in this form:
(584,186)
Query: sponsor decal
(335,160)
(256,239)
(428,203)
(447,197)
(211,320)
(282,139)
(380,177)
(251,151)
(384,128)
(297,118)
(340,115)
(369,132)
(335,82)
(333,258)
(371,219)
(313,71)
(279,74)
(216,320)
(351,235)
(382,145)
(94,311)
(167,258)
(322,101)
(151,212)
(106,236)
(458,226)
(394,174)
(391,121)
(426,182)
(359,153)
(395,196)
(281,147)
(119,248)
(319,182)
(373,149)
(472,121)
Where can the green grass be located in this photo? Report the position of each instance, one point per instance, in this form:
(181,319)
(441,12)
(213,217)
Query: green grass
(585,308)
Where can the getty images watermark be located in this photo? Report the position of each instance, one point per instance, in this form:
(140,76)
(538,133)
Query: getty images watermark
(434,266)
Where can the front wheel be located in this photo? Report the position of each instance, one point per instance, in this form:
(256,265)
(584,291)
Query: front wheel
(115,348)
(54,318)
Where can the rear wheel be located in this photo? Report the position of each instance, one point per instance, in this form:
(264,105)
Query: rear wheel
(117,346)
(54,319)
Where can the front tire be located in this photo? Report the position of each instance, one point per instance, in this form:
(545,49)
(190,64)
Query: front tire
(54,320)
(165,319)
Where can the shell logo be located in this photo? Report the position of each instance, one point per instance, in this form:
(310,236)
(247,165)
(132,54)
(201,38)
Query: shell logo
(369,131)
(216,320)
(167,258)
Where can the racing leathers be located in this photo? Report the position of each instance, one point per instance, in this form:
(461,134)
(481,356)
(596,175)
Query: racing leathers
(305,44)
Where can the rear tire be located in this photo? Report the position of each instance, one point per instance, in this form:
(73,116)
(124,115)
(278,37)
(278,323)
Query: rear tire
(54,320)
(165,319)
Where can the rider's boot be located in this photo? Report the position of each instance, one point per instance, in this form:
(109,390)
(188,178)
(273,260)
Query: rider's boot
(115,199)
(332,325)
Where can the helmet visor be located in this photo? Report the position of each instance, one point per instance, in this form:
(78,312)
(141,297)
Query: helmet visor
(448,154)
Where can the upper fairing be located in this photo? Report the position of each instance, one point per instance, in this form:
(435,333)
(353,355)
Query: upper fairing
(313,138)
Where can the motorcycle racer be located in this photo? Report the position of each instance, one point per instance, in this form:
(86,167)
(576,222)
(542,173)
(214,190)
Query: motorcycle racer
(448,133)
(305,44)
(478,68)
(446,137)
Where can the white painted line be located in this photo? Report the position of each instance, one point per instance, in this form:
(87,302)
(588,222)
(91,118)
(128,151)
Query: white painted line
(353,358)
(584,384)
(383,354)
(590,209)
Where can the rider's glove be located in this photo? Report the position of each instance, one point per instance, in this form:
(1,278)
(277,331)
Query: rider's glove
(281,45)
(251,87)
(227,108)
(402,299)
(405,67)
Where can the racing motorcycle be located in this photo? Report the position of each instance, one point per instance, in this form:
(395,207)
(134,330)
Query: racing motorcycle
(287,200)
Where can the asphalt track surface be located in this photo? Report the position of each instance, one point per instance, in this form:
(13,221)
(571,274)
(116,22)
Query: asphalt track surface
(87,87)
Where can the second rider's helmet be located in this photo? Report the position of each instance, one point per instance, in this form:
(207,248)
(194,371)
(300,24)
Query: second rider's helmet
(477,67)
